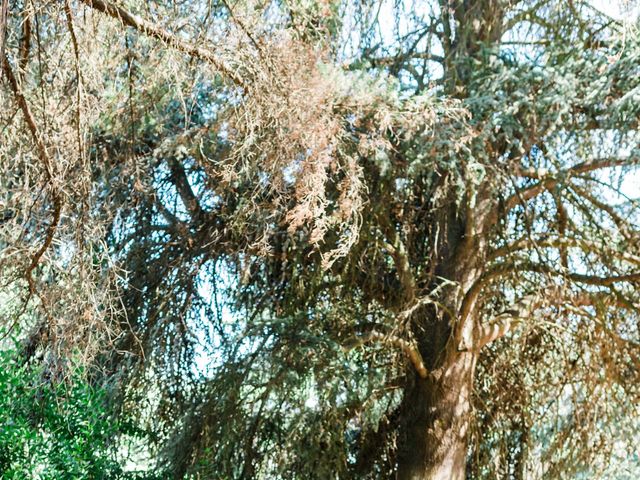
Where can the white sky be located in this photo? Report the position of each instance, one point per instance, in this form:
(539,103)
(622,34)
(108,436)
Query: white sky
(620,10)
(627,11)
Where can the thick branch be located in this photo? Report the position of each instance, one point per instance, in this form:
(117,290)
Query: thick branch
(506,321)
(410,350)
(181,182)
(495,329)
(152,30)
(549,181)
(524,309)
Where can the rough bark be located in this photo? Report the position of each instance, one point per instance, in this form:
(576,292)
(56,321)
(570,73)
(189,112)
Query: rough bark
(433,436)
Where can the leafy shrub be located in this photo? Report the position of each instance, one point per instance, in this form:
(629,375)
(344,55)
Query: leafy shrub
(54,430)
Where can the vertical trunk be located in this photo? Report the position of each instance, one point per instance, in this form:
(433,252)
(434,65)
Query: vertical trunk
(436,411)
(436,417)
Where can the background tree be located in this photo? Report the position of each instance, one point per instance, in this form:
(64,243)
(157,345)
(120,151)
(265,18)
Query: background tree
(308,224)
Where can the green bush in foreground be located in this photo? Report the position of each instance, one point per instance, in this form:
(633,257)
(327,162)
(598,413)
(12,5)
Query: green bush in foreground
(54,430)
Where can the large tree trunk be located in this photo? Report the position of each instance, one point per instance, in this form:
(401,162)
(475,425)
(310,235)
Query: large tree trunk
(436,410)
(436,417)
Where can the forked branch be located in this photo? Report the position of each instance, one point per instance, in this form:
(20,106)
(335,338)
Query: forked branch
(409,349)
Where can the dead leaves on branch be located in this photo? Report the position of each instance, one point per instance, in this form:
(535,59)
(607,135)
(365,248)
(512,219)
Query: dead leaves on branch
(52,255)
(303,131)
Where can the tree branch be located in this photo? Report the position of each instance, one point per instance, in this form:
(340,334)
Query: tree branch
(25,40)
(522,310)
(400,256)
(624,226)
(147,28)
(504,322)
(392,60)
(48,169)
(410,350)
(549,181)
(506,268)
(181,182)
(561,243)
(597,280)
(4,18)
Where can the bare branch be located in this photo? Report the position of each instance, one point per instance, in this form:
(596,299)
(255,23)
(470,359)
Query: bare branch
(187,195)
(604,281)
(562,243)
(505,268)
(393,60)
(25,40)
(496,329)
(525,308)
(48,169)
(624,226)
(598,280)
(4,17)
(506,321)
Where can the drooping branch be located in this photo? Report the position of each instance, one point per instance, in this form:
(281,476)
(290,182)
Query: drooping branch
(147,28)
(45,159)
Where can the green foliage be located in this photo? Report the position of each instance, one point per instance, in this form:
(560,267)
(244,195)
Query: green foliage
(54,430)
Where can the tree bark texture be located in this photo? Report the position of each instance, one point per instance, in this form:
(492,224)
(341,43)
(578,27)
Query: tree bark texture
(435,424)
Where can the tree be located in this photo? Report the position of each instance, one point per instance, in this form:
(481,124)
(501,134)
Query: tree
(415,215)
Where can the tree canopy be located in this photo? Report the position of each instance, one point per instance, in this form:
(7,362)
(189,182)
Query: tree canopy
(332,238)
